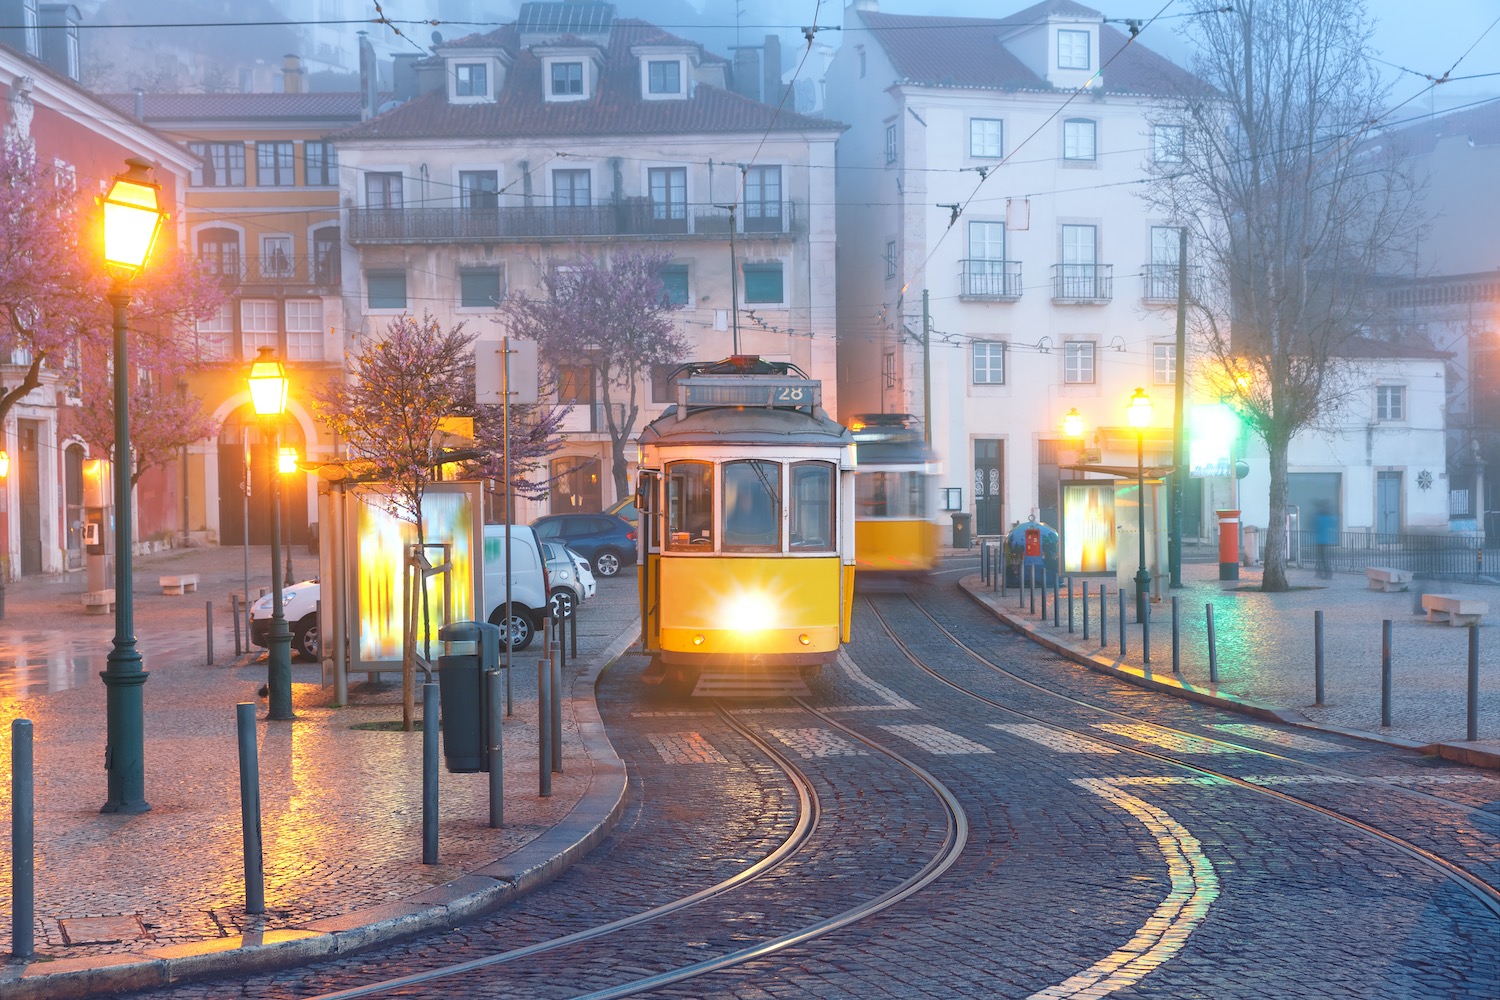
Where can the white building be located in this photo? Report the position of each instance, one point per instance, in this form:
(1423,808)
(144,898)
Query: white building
(990,213)
(572,131)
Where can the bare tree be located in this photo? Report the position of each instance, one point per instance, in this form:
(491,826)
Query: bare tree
(613,316)
(401,386)
(1292,213)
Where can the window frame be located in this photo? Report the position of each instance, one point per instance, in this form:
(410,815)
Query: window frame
(975,150)
(388,183)
(385,274)
(489,196)
(741,518)
(572,175)
(682,525)
(233,163)
(890,143)
(1072,136)
(282,166)
(652,65)
(670,287)
(760,268)
(1075,354)
(1073,36)
(1385,395)
(890,260)
(993,351)
(1163,364)
(1165,150)
(464,84)
(828,474)
(321,170)
(468,272)
(575,89)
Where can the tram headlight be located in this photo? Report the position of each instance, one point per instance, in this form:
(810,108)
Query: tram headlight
(749,612)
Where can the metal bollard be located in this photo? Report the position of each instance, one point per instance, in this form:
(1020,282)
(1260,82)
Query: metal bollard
(1103,617)
(1021,587)
(1317,657)
(1473,683)
(430,723)
(543,720)
(234,612)
(496,737)
(1385,672)
(1070,605)
(1056,584)
(22,841)
(1085,610)
(1121,595)
(1043,589)
(1146,638)
(255,876)
(1176,639)
(984,561)
(573,634)
(208,607)
(554,706)
(1213,647)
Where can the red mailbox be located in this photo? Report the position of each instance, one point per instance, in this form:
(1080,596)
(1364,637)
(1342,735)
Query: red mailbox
(1229,544)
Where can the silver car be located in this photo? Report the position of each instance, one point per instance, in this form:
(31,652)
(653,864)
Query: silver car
(571,577)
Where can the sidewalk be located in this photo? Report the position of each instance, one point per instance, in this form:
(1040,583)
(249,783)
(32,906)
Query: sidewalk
(1265,653)
(129,902)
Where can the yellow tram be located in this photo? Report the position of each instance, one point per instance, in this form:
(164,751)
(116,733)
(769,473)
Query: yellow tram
(895,496)
(746,497)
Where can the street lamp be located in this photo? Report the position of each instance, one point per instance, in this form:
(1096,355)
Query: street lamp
(286,464)
(268,385)
(1073,424)
(132,218)
(4,568)
(1139,410)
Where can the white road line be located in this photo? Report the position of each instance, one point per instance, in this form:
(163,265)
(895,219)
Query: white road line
(685,748)
(812,743)
(1195,886)
(936,740)
(1277,737)
(888,699)
(1054,739)
(1175,742)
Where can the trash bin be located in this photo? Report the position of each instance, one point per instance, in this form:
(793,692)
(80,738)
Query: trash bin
(463,693)
(1030,543)
(962,538)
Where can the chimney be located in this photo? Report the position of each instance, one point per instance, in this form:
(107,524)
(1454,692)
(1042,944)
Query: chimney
(431,75)
(746,73)
(368,82)
(291,74)
(771,67)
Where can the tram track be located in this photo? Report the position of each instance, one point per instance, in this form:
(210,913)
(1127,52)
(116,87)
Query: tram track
(793,846)
(1483,891)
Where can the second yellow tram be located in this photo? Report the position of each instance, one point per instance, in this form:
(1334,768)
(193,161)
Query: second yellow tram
(895,535)
(746,497)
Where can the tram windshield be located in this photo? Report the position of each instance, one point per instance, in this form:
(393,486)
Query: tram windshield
(890,494)
(752,506)
(690,506)
(812,506)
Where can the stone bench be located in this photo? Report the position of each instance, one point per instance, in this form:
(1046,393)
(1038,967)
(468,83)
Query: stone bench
(1387,579)
(1453,609)
(179,585)
(99,602)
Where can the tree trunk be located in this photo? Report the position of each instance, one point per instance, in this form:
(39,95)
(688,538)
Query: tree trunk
(1273,578)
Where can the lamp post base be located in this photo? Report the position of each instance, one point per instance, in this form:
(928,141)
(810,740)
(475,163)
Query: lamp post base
(1142,594)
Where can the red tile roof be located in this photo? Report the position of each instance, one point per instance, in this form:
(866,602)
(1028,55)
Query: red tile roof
(616,108)
(214,107)
(965,52)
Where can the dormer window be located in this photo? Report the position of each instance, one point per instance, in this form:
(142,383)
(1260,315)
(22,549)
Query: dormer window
(567,79)
(1072,49)
(664,77)
(471,80)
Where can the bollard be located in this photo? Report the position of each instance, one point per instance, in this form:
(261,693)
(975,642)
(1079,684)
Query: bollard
(1317,657)
(543,738)
(1085,610)
(1385,672)
(1043,589)
(209,609)
(1070,605)
(1176,639)
(1103,617)
(1021,586)
(1146,638)
(1213,647)
(22,841)
(1473,683)
(562,640)
(984,561)
(573,633)
(1121,595)
(430,723)
(494,735)
(255,876)
(1055,587)
(234,612)
(554,705)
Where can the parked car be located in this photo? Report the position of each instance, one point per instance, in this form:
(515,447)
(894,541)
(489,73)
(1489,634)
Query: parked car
(528,595)
(625,508)
(606,541)
(569,575)
(299,605)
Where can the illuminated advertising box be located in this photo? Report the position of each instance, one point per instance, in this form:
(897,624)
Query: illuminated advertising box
(452,517)
(1088,526)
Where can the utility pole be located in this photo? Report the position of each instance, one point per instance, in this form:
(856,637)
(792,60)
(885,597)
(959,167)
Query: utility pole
(1174,543)
(926,371)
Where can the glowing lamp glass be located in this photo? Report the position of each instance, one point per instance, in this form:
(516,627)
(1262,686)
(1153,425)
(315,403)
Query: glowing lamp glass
(1073,423)
(1139,410)
(268,384)
(4,464)
(805,639)
(132,217)
(286,461)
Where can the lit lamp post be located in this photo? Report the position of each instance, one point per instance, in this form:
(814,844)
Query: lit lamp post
(5,535)
(1073,424)
(286,464)
(1139,410)
(132,218)
(268,385)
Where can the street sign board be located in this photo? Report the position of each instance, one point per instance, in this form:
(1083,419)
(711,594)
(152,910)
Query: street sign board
(489,358)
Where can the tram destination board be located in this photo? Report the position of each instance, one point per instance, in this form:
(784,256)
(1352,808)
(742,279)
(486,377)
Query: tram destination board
(768,392)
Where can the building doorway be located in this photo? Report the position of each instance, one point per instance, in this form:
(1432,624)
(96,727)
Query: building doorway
(30,496)
(245,459)
(989,474)
(576,486)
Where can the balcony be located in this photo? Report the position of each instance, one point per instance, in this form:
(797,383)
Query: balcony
(1083,284)
(986,280)
(588,418)
(273,269)
(549,223)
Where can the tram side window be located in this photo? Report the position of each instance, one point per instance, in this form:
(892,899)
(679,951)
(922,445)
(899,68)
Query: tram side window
(690,506)
(812,506)
(752,506)
(871,491)
(913,485)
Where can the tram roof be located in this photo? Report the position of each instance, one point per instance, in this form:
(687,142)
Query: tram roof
(745,425)
(890,439)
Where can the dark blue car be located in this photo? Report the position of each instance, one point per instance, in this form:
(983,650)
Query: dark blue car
(606,541)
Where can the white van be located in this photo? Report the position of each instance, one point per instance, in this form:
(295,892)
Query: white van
(528,582)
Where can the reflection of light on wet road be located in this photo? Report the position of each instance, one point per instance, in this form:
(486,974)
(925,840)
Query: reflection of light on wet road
(38,663)
(1195,886)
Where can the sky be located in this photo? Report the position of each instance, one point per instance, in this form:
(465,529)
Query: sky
(1428,45)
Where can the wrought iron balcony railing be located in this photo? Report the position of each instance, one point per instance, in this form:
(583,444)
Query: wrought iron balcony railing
(991,280)
(273,269)
(1083,282)
(631,217)
(1159,282)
